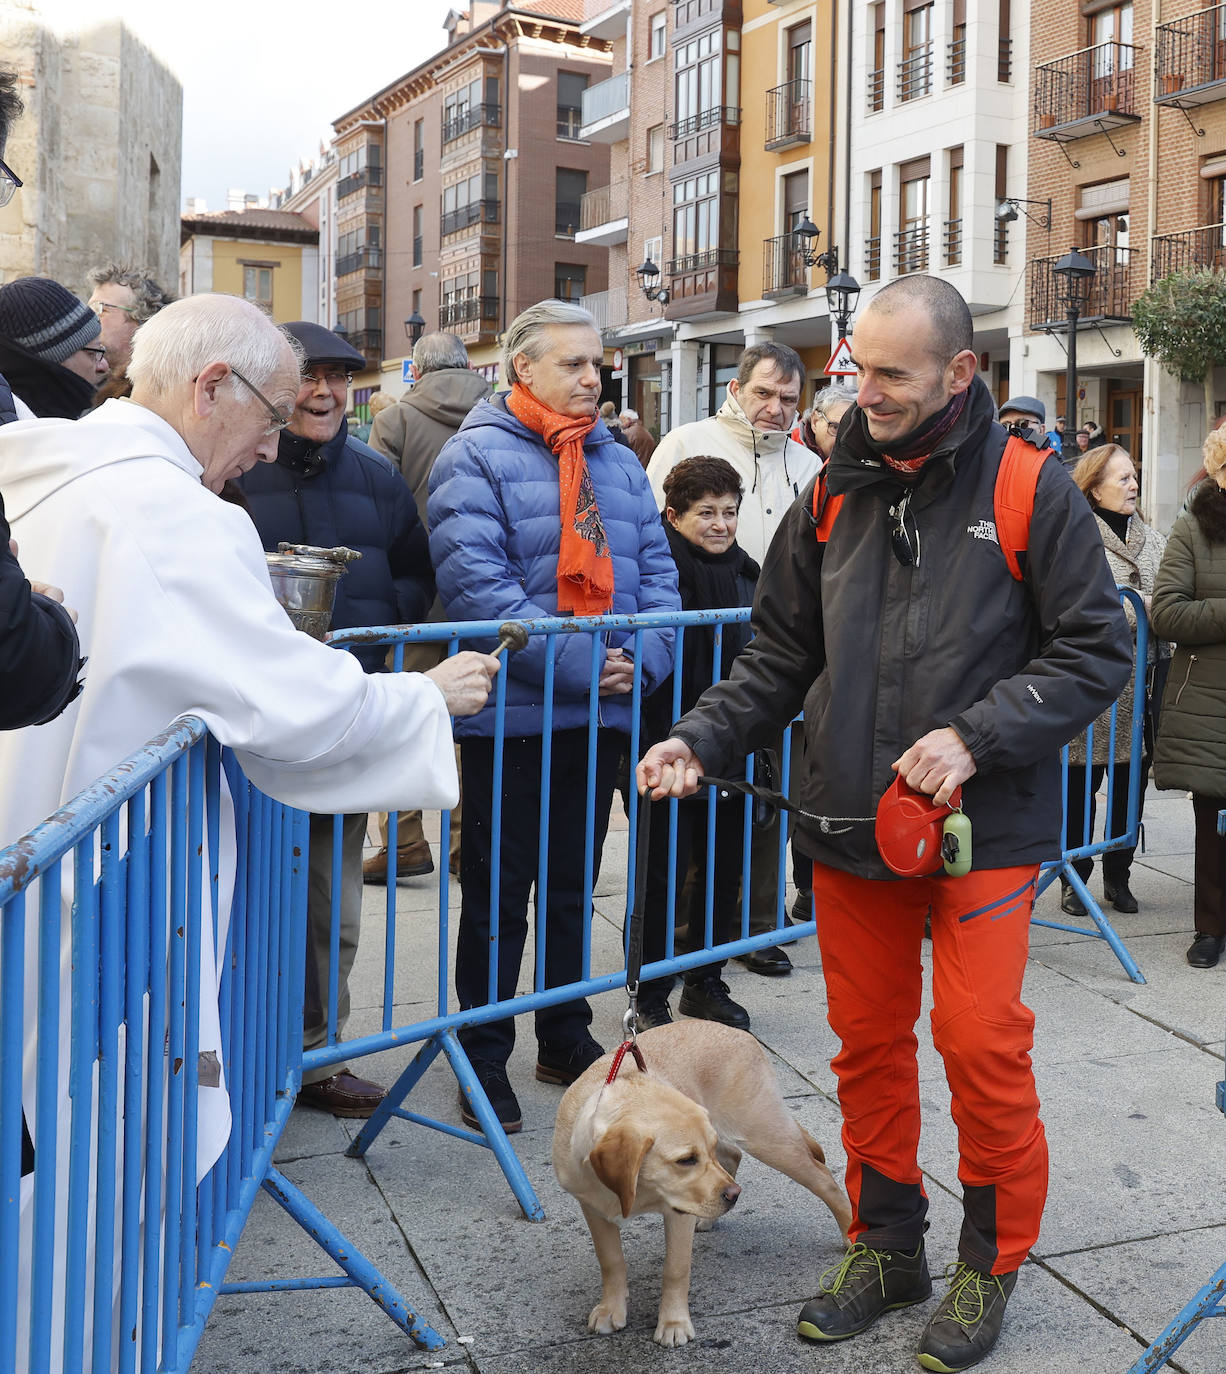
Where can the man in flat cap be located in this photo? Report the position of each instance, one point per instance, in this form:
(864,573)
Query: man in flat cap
(326,488)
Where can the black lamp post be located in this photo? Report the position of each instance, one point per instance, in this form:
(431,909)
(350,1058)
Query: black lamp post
(414,327)
(1075,272)
(648,274)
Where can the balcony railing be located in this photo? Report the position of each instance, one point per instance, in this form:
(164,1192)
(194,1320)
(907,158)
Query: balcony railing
(419,163)
(603,205)
(1203,247)
(367,341)
(471,308)
(355,181)
(915,73)
(475,117)
(704,119)
(607,308)
(1190,61)
(485,211)
(876,90)
(872,258)
(700,262)
(788,119)
(570,121)
(1000,242)
(1086,92)
(911,249)
(955,62)
(953,242)
(417,250)
(1110,296)
(784,272)
(360,261)
(1004,59)
(606,98)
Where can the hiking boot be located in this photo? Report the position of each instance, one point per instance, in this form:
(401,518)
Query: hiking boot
(864,1284)
(966,1325)
(563,1066)
(412,861)
(1070,902)
(708,999)
(652,1014)
(493,1078)
(1121,898)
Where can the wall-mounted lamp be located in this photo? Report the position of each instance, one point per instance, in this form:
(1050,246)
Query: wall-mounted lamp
(648,274)
(1007,211)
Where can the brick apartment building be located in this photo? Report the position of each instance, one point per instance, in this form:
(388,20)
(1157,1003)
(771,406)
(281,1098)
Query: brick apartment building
(1128,140)
(461,184)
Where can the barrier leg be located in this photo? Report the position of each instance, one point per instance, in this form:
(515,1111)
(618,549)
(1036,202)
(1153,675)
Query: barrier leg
(360,1270)
(1104,930)
(1207,1303)
(390,1106)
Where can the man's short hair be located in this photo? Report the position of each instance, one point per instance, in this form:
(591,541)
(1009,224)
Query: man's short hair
(11,104)
(693,478)
(149,296)
(781,358)
(528,331)
(434,352)
(629,414)
(210,327)
(952,330)
(834,395)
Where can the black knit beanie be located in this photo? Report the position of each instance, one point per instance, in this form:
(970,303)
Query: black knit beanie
(45,318)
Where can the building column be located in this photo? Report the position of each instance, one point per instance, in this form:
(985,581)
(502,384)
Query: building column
(684,394)
(758,334)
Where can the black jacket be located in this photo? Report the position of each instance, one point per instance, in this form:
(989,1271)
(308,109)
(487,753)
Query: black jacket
(51,391)
(346,493)
(879,654)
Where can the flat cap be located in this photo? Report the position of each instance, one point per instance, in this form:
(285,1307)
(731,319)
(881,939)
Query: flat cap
(1026,405)
(323,345)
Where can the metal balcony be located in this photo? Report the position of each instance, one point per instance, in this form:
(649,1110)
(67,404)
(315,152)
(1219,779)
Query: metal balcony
(470,310)
(704,119)
(953,242)
(955,62)
(604,216)
(1087,92)
(475,117)
(364,259)
(915,74)
(367,341)
(784,272)
(911,249)
(477,211)
(356,181)
(606,110)
(872,258)
(1110,297)
(876,90)
(1202,247)
(607,308)
(788,115)
(1190,60)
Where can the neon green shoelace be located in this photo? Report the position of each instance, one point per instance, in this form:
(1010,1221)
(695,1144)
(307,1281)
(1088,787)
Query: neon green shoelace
(859,1260)
(968,1294)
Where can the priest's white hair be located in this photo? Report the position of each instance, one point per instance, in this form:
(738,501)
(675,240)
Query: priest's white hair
(527,331)
(179,342)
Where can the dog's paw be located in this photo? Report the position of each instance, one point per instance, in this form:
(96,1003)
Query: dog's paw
(677,1331)
(607,1317)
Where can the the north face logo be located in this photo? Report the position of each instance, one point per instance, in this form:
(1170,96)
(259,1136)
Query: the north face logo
(985,529)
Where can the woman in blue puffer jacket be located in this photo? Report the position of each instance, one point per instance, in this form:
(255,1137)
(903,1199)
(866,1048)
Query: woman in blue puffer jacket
(502,550)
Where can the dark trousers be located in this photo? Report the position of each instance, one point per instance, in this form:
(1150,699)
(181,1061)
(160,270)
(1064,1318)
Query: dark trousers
(1117,863)
(691,858)
(558,1028)
(1209,874)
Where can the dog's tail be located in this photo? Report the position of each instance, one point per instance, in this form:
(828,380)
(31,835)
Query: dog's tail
(813,1147)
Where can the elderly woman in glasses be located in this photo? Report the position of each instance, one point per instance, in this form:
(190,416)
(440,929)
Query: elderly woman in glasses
(820,424)
(1108,479)
(49,347)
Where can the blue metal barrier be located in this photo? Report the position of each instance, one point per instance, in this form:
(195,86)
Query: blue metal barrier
(119,1051)
(1084,846)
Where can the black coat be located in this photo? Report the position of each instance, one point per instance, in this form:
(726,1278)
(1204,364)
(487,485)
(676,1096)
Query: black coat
(52,392)
(347,494)
(879,653)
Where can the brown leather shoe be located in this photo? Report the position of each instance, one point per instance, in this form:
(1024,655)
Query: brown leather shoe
(413,861)
(343,1094)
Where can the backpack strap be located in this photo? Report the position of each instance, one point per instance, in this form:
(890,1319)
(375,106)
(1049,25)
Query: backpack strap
(1013,499)
(825,508)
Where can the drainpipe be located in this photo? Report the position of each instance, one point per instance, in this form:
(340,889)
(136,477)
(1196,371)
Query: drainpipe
(1151,372)
(506,183)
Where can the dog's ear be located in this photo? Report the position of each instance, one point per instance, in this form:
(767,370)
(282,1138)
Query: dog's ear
(617,1158)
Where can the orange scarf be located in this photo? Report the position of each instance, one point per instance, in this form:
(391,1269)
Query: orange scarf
(585,567)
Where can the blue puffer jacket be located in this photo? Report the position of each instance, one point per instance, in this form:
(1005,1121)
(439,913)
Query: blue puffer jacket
(494,535)
(346,493)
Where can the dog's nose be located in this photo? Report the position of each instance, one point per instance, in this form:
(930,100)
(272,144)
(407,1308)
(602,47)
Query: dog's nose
(731,1193)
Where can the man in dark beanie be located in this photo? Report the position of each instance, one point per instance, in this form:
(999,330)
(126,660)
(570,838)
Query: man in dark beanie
(49,349)
(327,488)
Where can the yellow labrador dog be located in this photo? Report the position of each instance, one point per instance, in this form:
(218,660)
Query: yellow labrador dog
(669,1141)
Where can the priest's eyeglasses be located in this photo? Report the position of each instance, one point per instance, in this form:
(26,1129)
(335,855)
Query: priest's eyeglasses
(9,183)
(907,553)
(279,421)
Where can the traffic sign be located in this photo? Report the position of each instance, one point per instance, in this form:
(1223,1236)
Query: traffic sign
(408,373)
(840,364)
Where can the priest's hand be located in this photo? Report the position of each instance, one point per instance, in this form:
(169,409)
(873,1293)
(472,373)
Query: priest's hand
(465,680)
(669,769)
(45,588)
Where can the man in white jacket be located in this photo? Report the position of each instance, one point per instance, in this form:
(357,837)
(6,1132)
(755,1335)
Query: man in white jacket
(177,615)
(752,431)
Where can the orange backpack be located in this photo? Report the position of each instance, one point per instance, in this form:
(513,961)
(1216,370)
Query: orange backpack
(1012,501)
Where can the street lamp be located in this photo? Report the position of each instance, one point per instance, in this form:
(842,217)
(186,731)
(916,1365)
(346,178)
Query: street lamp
(414,327)
(1075,272)
(1006,211)
(807,234)
(648,274)
(842,293)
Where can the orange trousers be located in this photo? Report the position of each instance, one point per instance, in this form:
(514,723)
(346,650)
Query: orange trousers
(871,933)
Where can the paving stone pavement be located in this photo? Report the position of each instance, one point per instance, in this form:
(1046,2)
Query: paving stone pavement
(1135,1220)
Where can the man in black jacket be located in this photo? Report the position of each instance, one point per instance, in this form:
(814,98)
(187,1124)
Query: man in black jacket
(328,489)
(915,653)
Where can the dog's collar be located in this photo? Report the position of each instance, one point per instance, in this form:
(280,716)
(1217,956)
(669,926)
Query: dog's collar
(632,1046)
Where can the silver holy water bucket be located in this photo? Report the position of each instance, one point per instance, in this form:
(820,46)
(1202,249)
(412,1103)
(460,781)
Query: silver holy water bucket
(304,581)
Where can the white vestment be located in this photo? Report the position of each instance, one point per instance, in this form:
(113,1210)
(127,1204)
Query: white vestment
(177,615)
